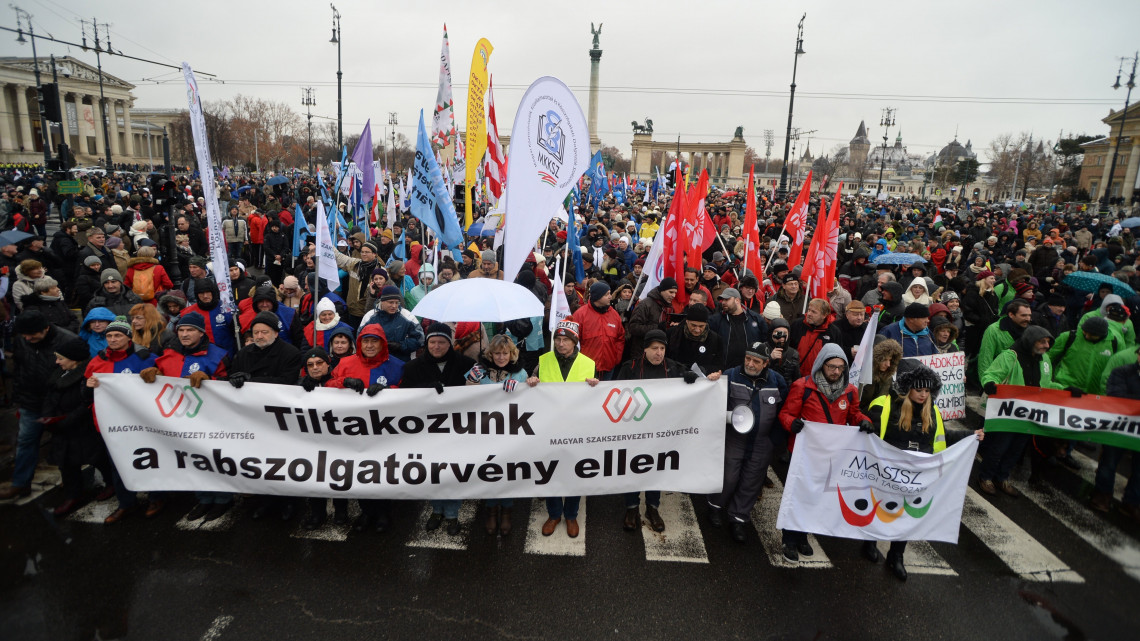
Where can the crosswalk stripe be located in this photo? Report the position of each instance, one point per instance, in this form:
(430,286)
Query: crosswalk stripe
(682,540)
(557,544)
(94,512)
(439,538)
(1103,536)
(1088,473)
(764,520)
(329,531)
(220,524)
(920,558)
(1013,545)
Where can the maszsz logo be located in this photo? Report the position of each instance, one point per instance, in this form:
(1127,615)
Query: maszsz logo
(550,137)
(178,402)
(626,404)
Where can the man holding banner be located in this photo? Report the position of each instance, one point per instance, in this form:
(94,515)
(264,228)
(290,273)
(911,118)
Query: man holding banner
(1123,382)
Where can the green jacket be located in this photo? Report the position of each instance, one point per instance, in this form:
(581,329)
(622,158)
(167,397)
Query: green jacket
(1126,356)
(995,340)
(1082,364)
(1006,370)
(1125,331)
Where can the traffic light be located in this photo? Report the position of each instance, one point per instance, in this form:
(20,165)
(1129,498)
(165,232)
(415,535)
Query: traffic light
(50,93)
(163,190)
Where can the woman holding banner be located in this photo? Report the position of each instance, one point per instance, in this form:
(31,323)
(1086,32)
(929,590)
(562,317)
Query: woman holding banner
(907,418)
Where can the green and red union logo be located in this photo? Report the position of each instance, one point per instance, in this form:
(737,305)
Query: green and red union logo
(178,402)
(624,405)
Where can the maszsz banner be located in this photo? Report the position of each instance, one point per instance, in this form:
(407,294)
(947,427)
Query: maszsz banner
(951,370)
(1047,412)
(842,482)
(555,439)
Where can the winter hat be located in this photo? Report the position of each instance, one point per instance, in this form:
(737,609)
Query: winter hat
(1022,288)
(666,284)
(914,375)
(317,352)
(598,290)
(654,336)
(325,305)
(199,261)
(439,329)
(760,350)
(30,322)
(855,306)
(1055,300)
(192,319)
(1095,326)
(916,310)
(697,313)
(290,282)
(982,275)
(771,310)
(390,292)
(567,328)
(489,255)
(110,274)
(380,271)
(114,242)
(268,319)
(949,296)
(370,245)
(750,281)
(120,325)
(92,261)
(75,349)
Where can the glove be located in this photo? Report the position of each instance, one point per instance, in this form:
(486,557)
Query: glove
(509,385)
(309,384)
(475,374)
(238,379)
(354,384)
(690,376)
(990,389)
(1075,391)
(438,387)
(797,426)
(375,388)
(866,427)
(196,379)
(148,375)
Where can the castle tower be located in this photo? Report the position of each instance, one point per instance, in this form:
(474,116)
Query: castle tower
(859,146)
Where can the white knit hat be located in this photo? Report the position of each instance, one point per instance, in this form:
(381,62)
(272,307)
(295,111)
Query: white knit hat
(772,310)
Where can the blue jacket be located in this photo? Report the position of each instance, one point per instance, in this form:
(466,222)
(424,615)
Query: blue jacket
(95,342)
(770,386)
(755,328)
(404,336)
(912,344)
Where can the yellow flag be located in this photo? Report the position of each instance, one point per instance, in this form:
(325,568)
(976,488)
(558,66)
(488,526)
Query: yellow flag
(476,120)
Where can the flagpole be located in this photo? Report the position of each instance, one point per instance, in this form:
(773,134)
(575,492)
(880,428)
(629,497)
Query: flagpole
(727,254)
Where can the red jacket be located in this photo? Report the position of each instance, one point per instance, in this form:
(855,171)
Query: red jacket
(161,280)
(381,368)
(602,336)
(256,228)
(807,402)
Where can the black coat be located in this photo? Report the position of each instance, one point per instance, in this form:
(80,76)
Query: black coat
(424,372)
(276,244)
(68,402)
(105,256)
(1124,381)
(56,311)
(708,354)
(279,363)
(34,363)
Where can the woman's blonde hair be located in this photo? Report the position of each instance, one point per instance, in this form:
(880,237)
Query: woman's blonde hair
(152,324)
(906,413)
(500,343)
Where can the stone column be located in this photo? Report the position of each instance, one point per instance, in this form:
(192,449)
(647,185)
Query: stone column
(1106,180)
(97,114)
(1130,173)
(128,133)
(7,128)
(113,127)
(595,62)
(24,119)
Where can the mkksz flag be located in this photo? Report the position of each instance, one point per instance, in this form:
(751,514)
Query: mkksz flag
(842,482)
(549,150)
(443,119)
(430,201)
(476,121)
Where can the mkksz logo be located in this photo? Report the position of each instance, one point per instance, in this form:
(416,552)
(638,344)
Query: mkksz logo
(178,401)
(626,404)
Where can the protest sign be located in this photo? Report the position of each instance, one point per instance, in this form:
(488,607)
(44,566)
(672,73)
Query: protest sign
(951,370)
(1047,412)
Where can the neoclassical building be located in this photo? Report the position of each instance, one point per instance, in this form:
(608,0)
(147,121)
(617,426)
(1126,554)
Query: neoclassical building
(134,137)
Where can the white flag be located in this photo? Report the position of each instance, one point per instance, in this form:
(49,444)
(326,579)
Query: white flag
(443,118)
(391,208)
(326,251)
(654,269)
(863,365)
(559,307)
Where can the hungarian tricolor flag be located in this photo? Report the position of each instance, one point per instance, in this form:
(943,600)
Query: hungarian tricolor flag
(819,265)
(796,222)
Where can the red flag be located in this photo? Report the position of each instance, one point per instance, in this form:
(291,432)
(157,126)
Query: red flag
(675,249)
(375,213)
(752,260)
(698,226)
(819,265)
(796,221)
(497,173)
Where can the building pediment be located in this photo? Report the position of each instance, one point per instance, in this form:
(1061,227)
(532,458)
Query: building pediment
(69,69)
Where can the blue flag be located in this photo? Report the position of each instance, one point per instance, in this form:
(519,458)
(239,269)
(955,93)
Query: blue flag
(575,248)
(398,251)
(343,168)
(431,203)
(599,184)
(300,231)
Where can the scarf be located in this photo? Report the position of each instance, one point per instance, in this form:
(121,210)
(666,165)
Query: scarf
(831,391)
(320,327)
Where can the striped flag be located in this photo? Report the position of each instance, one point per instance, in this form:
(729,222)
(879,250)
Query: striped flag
(497,168)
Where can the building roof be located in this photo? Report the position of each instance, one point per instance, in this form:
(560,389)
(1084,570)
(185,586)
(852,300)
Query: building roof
(70,70)
(861,135)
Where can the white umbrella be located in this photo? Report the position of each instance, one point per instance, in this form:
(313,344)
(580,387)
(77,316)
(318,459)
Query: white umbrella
(479,299)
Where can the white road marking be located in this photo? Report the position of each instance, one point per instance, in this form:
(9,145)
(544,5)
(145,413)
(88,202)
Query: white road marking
(329,531)
(920,558)
(764,520)
(1103,536)
(682,539)
(557,544)
(1088,472)
(95,511)
(215,629)
(1013,545)
(439,538)
(220,524)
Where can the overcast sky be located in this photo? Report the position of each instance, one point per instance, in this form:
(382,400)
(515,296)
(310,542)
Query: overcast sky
(917,57)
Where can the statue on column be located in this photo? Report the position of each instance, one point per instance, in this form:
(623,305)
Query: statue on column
(597,32)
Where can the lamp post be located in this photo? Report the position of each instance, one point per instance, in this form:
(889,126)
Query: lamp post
(392,122)
(24,15)
(1123,118)
(783,190)
(886,122)
(339,95)
(308,101)
(102,97)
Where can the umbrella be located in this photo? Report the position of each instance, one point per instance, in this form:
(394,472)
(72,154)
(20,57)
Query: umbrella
(479,229)
(478,299)
(728,194)
(243,189)
(1130,222)
(1091,282)
(277,180)
(13,236)
(947,210)
(898,258)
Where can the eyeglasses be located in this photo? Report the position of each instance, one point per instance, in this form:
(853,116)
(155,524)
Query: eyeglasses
(833,368)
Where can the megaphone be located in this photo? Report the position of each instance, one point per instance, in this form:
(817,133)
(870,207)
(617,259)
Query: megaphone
(741,419)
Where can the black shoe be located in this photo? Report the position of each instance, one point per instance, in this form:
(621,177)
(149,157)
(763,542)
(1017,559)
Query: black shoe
(790,552)
(716,517)
(362,523)
(340,517)
(216,510)
(433,522)
(315,520)
(739,532)
(804,548)
(1071,462)
(197,512)
(871,552)
(382,523)
(287,511)
(261,511)
(453,526)
(895,566)
(654,518)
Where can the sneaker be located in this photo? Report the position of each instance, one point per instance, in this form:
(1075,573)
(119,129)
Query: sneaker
(987,487)
(804,548)
(433,522)
(197,512)
(1008,488)
(216,510)
(453,526)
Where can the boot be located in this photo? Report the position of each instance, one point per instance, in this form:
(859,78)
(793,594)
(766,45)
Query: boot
(492,523)
(871,552)
(895,565)
(505,521)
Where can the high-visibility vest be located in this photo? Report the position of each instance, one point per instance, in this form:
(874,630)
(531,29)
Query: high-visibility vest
(550,372)
(884,418)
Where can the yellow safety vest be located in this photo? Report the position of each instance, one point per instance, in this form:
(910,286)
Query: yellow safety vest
(550,372)
(884,417)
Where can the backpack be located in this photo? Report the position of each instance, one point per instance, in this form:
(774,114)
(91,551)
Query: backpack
(142,283)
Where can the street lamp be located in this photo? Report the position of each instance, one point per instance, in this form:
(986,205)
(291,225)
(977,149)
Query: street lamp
(886,122)
(783,190)
(339,95)
(102,97)
(21,14)
(1123,117)
(308,101)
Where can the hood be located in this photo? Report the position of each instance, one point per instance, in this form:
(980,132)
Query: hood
(829,351)
(881,243)
(173,296)
(1031,335)
(1109,300)
(139,261)
(416,251)
(98,313)
(939,322)
(428,268)
(886,348)
(345,330)
(896,289)
(266,294)
(373,329)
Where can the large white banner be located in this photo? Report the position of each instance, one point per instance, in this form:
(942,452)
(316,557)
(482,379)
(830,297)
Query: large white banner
(556,439)
(218,250)
(842,482)
(550,150)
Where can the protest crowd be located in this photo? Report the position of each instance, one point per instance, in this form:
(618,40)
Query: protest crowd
(1034,295)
